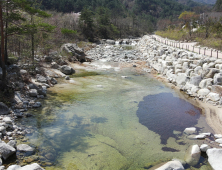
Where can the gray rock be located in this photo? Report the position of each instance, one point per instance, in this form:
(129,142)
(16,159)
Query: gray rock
(54,65)
(33,166)
(67,70)
(12,143)
(4,110)
(13,167)
(48,59)
(25,148)
(218,79)
(192,155)
(37,105)
(33,86)
(214,158)
(33,93)
(174,165)
(74,50)
(195,80)
(41,79)
(67,78)
(6,150)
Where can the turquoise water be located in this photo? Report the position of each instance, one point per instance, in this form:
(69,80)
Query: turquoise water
(100,120)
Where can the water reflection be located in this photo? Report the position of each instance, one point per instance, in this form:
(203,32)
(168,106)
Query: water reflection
(163,113)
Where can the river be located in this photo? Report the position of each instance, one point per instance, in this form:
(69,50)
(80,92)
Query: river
(102,120)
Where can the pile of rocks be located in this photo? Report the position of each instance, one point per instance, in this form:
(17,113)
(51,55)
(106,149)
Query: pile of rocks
(197,75)
(114,54)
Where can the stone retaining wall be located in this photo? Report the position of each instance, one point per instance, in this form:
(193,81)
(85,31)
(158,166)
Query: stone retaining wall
(198,75)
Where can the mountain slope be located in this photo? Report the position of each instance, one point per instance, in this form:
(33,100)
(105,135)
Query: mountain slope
(211,2)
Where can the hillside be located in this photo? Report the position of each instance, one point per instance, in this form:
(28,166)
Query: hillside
(218,6)
(212,2)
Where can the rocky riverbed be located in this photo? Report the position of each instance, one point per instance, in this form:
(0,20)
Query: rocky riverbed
(198,76)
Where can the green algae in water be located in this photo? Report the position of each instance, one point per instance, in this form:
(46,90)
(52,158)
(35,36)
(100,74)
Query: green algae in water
(97,128)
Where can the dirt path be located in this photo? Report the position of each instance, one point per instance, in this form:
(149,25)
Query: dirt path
(190,46)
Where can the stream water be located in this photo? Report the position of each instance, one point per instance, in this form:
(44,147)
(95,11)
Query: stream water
(99,120)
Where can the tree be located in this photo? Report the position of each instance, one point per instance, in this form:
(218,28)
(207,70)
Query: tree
(2,49)
(86,23)
(188,18)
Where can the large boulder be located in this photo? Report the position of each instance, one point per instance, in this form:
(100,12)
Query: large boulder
(6,150)
(192,155)
(33,166)
(214,158)
(4,110)
(67,70)
(74,50)
(175,165)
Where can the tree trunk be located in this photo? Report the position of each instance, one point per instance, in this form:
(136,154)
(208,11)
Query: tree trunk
(6,38)
(2,50)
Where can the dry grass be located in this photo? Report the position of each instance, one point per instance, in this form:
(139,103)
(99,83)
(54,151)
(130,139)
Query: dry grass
(213,41)
(176,34)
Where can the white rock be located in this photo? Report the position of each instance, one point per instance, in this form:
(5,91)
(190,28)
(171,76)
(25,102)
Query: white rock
(174,165)
(6,150)
(204,147)
(7,120)
(200,136)
(213,96)
(193,155)
(25,148)
(13,167)
(33,166)
(219,140)
(181,79)
(203,92)
(206,134)
(214,158)
(190,130)
(124,77)
(217,136)
(99,86)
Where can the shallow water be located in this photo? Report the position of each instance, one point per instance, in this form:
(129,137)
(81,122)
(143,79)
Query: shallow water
(99,120)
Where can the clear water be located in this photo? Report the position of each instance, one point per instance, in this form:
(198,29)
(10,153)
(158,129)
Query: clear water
(101,121)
